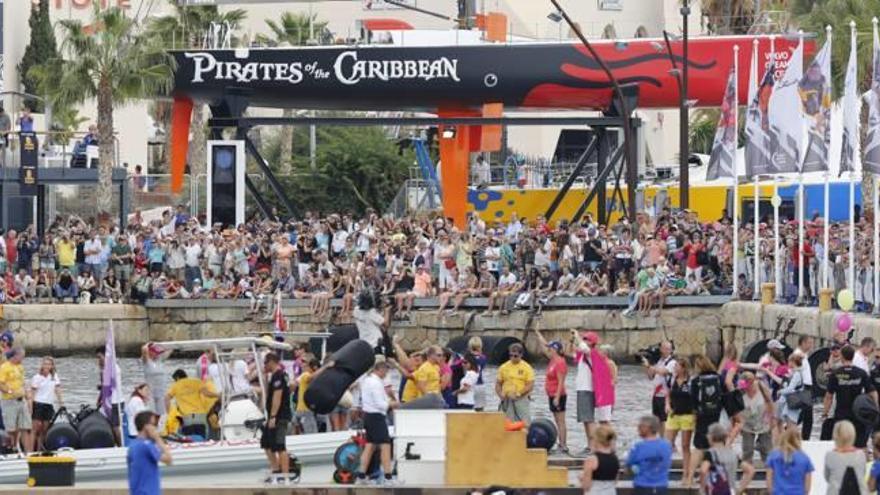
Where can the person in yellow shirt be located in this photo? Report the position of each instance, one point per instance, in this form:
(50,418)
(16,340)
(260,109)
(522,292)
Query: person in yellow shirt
(65,249)
(407,365)
(427,376)
(189,396)
(304,416)
(13,397)
(514,384)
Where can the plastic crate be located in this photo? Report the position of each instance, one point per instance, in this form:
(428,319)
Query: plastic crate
(51,470)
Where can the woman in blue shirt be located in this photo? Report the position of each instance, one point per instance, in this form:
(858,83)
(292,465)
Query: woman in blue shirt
(789,470)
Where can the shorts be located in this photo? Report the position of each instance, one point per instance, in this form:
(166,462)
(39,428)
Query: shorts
(603,414)
(563,399)
(517,409)
(681,422)
(480,397)
(701,430)
(658,408)
(275,439)
(307,422)
(114,416)
(43,412)
(376,427)
(586,406)
(15,415)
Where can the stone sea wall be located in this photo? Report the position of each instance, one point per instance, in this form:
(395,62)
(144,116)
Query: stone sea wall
(75,329)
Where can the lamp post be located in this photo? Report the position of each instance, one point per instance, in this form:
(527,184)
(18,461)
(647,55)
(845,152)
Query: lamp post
(684,151)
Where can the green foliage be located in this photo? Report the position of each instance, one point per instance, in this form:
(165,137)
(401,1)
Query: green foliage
(702,130)
(356,168)
(41,47)
(186,27)
(295,29)
(117,59)
(816,14)
(65,121)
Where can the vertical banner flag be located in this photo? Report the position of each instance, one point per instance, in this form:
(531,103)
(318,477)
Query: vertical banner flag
(785,117)
(872,140)
(758,160)
(109,377)
(815,94)
(28,163)
(852,108)
(722,159)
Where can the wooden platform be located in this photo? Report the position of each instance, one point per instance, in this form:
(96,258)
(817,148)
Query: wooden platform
(480,452)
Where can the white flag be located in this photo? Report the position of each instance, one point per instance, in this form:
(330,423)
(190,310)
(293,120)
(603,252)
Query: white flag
(852,108)
(786,117)
(815,93)
(757,125)
(872,139)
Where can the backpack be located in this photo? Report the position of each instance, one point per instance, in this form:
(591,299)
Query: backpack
(849,483)
(717,481)
(709,393)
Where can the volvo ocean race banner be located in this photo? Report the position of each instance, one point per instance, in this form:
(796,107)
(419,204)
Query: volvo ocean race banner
(758,156)
(872,146)
(722,159)
(852,108)
(785,117)
(815,93)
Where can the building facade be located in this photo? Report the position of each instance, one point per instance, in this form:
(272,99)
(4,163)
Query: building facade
(528,20)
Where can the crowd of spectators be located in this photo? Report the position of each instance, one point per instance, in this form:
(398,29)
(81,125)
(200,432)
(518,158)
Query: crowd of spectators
(520,263)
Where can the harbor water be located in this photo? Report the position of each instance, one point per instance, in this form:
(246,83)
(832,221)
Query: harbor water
(80,377)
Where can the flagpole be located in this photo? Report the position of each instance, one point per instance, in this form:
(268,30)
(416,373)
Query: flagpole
(735,178)
(801,206)
(122,426)
(826,230)
(874,183)
(776,273)
(757,192)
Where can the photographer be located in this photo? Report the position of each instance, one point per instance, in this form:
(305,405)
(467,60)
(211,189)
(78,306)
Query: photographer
(370,322)
(661,373)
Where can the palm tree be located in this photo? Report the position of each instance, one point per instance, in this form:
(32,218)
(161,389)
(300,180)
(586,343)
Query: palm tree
(728,16)
(112,62)
(294,30)
(187,27)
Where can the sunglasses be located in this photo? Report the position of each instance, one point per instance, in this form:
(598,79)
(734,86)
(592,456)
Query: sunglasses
(515,354)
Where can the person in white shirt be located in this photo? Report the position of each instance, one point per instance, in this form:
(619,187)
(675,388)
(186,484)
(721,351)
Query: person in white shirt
(92,250)
(661,374)
(192,258)
(862,358)
(467,387)
(135,405)
(375,401)
(369,322)
(804,348)
(47,392)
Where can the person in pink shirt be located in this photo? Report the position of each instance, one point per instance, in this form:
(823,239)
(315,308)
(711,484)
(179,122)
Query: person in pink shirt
(554,386)
(421,288)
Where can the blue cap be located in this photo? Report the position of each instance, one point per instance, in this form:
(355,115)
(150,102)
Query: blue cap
(555,345)
(7,337)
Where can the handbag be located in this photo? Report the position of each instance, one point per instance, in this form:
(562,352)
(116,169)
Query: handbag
(733,402)
(449,263)
(800,399)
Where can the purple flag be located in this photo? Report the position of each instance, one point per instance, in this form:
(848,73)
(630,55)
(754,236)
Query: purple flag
(109,377)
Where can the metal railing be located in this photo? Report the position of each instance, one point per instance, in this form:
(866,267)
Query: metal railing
(56,150)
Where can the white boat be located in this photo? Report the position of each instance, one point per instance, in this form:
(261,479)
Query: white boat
(238,450)
(226,458)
